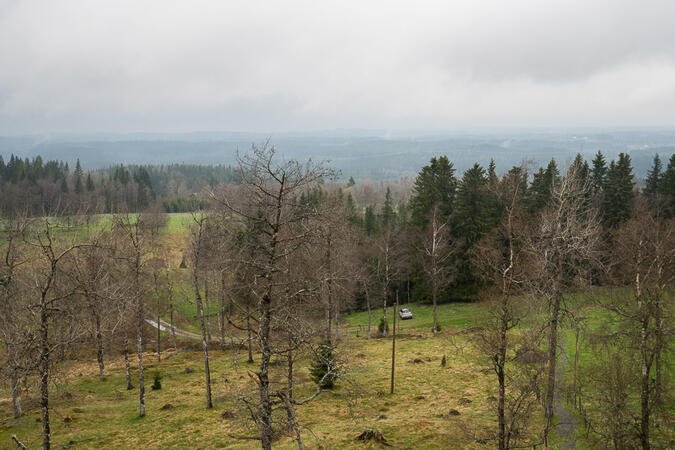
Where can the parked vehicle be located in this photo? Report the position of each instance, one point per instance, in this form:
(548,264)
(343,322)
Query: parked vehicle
(405,313)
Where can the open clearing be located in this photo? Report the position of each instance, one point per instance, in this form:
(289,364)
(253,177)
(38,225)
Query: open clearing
(90,413)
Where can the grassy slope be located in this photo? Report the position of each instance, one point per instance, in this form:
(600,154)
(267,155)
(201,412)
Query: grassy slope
(104,414)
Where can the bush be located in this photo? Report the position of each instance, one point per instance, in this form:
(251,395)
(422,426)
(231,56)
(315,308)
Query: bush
(324,367)
(383,327)
(157,381)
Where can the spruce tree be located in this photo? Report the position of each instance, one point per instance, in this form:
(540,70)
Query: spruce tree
(618,192)
(90,183)
(387,214)
(539,192)
(64,186)
(79,187)
(598,172)
(667,187)
(435,183)
(473,217)
(654,175)
(370,221)
(473,206)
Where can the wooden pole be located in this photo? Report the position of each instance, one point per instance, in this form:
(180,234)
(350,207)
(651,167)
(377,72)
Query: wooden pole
(393,346)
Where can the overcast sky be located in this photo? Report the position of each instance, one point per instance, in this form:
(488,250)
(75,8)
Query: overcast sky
(291,66)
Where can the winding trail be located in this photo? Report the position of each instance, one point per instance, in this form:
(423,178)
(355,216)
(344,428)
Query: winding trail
(165,326)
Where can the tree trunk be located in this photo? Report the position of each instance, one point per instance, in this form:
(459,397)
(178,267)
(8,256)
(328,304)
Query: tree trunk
(44,375)
(205,348)
(294,421)
(16,399)
(500,363)
(370,312)
(221,312)
(159,334)
(99,347)
(576,362)
(384,309)
(127,368)
(139,349)
(263,374)
(289,387)
(552,356)
(208,307)
(248,331)
(434,295)
(644,383)
(327,313)
(393,347)
(173,329)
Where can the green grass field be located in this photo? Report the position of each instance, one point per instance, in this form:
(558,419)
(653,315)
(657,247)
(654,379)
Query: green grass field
(450,315)
(88,413)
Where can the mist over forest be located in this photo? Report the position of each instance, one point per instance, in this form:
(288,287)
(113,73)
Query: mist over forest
(374,154)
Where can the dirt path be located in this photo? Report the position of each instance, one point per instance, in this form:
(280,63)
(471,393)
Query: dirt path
(165,326)
(566,428)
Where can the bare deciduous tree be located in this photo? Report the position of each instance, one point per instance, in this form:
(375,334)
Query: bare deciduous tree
(267,203)
(563,248)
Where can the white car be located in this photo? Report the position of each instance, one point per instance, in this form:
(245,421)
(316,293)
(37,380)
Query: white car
(405,313)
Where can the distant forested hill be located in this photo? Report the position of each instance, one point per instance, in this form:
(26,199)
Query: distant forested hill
(361,154)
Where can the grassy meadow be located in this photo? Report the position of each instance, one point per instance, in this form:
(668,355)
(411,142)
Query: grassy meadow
(89,413)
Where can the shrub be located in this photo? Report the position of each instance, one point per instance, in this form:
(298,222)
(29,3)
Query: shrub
(157,381)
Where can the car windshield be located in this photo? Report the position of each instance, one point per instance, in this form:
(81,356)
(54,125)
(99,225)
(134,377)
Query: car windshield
(405,310)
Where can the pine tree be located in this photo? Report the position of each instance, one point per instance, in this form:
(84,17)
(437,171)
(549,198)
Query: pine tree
(351,182)
(618,192)
(435,183)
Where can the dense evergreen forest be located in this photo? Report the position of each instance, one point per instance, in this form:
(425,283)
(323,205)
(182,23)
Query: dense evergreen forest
(276,253)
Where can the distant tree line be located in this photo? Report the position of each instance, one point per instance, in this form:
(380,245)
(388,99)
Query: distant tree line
(45,188)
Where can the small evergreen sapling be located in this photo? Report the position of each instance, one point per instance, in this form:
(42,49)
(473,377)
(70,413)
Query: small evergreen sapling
(157,381)
(324,367)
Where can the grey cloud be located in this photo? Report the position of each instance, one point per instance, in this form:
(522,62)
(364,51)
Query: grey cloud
(294,65)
